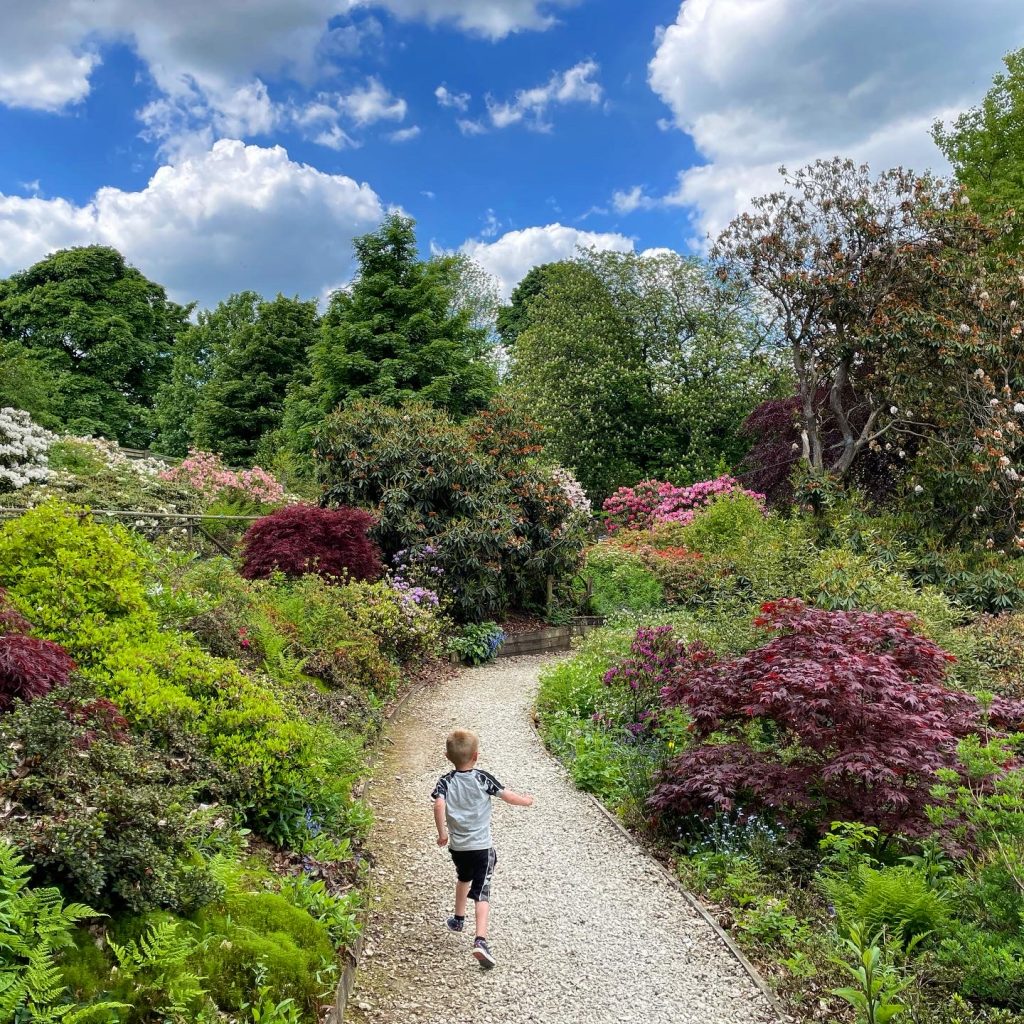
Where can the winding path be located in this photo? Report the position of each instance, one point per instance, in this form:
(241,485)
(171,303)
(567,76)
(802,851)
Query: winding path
(585,927)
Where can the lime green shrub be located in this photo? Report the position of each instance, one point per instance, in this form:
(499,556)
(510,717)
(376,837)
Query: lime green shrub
(620,581)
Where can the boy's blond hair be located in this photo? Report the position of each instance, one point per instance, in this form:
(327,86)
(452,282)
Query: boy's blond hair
(461,746)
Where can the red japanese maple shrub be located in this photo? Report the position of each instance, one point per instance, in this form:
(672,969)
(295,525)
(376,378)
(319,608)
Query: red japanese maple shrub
(840,715)
(29,667)
(301,539)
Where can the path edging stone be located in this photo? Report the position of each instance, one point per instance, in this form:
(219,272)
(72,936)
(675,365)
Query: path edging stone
(727,940)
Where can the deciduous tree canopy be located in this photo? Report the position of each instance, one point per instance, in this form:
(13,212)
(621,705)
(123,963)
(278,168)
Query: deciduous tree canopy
(95,338)
(640,366)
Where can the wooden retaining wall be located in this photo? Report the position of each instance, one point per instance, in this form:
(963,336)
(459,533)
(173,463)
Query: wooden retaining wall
(549,640)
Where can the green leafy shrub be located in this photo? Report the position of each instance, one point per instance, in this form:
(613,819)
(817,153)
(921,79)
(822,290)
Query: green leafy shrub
(575,686)
(79,582)
(984,965)
(621,582)
(896,899)
(478,643)
(87,588)
(99,811)
(842,581)
(996,647)
(338,914)
(498,524)
(760,556)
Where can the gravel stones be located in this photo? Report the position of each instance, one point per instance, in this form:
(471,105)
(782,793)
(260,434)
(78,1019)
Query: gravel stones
(585,927)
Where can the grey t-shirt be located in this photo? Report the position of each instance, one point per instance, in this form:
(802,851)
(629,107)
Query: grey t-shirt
(467,807)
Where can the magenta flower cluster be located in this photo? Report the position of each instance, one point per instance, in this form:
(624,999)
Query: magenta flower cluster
(653,502)
(206,473)
(654,658)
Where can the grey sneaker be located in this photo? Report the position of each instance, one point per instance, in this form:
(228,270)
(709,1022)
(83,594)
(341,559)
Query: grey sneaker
(456,924)
(483,954)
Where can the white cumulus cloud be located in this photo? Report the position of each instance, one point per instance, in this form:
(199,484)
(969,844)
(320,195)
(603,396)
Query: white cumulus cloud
(493,19)
(509,257)
(447,98)
(372,103)
(232,218)
(629,200)
(759,83)
(531,106)
(50,48)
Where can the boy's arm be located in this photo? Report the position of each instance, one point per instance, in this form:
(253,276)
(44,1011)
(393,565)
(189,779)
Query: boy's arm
(442,828)
(516,799)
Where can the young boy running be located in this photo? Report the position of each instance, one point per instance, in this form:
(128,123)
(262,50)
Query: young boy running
(462,813)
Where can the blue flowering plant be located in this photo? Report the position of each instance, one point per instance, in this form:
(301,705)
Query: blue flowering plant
(478,643)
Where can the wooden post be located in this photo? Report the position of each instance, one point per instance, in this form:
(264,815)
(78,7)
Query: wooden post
(551,593)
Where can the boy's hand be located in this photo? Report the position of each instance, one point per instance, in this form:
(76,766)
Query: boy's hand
(442,839)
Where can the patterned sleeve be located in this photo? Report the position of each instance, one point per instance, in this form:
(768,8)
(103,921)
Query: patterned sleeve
(491,785)
(441,789)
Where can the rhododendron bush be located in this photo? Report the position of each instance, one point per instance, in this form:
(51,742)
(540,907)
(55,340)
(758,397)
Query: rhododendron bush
(838,716)
(654,502)
(23,448)
(206,473)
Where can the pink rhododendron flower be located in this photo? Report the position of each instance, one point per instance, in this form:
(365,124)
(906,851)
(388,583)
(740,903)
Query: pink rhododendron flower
(655,501)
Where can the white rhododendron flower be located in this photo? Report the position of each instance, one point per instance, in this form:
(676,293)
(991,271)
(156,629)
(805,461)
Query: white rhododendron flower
(23,448)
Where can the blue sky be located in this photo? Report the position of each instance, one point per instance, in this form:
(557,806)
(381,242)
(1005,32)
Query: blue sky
(225,144)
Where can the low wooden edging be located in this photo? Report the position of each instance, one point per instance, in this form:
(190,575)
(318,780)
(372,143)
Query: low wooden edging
(553,638)
(727,940)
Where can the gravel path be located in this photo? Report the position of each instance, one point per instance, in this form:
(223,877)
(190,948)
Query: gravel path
(586,930)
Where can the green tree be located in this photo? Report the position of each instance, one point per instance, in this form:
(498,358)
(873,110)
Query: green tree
(400,332)
(257,347)
(514,317)
(99,338)
(985,145)
(25,384)
(638,367)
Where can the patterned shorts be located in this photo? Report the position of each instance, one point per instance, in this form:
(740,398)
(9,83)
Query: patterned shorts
(476,866)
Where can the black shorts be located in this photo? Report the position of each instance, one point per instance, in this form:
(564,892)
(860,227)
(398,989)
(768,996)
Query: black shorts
(476,866)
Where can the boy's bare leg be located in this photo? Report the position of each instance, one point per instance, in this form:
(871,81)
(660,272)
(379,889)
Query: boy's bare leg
(483,912)
(461,892)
